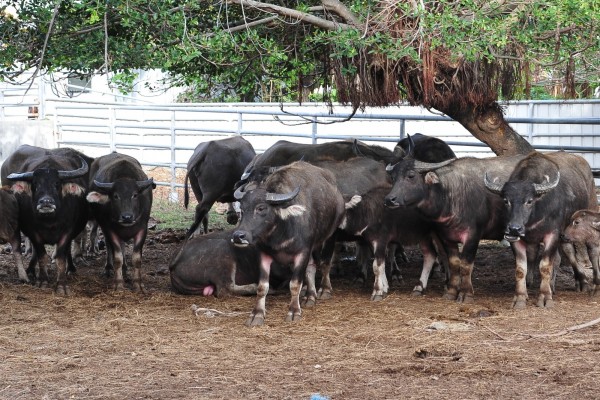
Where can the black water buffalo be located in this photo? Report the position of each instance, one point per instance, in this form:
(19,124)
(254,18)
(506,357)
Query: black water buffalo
(9,229)
(364,183)
(289,216)
(423,148)
(120,198)
(284,152)
(453,197)
(212,264)
(584,228)
(50,186)
(213,170)
(541,194)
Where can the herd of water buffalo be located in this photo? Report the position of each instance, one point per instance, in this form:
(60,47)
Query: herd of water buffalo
(296,201)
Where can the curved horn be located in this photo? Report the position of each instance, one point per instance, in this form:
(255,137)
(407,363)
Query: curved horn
(278,198)
(390,167)
(541,188)
(77,173)
(104,185)
(20,176)
(239,192)
(424,166)
(145,184)
(491,185)
(247,173)
(411,145)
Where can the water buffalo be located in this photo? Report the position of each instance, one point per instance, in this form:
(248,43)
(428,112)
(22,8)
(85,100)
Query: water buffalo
(9,229)
(584,227)
(212,264)
(120,199)
(213,170)
(423,148)
(540,195)
(289,216)
(50,188)
(453,197)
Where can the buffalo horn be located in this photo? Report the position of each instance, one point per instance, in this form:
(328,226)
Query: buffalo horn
(424,166)
(411,145)
(390,167)
(246,173)
(20,176)
(77,173)
(541,188)
(491,185)
(104,185)
(145,184)
(239,192)
(278,198)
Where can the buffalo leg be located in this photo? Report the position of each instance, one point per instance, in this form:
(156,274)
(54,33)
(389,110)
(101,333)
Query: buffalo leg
(380,286)
(42,259)
(15,243)
(546,266)
(136,258)
(63,250)
(429,256)
(325,262)
(594,252)
(519,249)
(454,263)
(117,260)
(571,252)
(257,316)
(311,287)
(298,272)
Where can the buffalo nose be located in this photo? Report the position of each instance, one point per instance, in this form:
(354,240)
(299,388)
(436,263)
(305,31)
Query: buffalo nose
(46,201)
(391,202)
(515,229)
(127,217)
(240,238)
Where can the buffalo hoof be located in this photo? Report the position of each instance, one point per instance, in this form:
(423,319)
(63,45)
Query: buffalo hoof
(544,302)
(466,298)
(293,316)
(594,290)
(378,297)
(118,286)
(62,290)
(42,284)
(309,302)
(519,303)
(255,320)
(139,287)
(417,292)
(450,296)
(324,295)
(23,278)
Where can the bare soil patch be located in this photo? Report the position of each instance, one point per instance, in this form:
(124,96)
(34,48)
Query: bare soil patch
(98,344)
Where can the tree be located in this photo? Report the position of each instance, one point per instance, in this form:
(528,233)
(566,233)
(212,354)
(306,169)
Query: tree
(458,57)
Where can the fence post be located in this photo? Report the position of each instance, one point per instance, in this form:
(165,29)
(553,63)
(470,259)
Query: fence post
(402,129)
(240,120)
(173,196)
(314,131)
(111,127)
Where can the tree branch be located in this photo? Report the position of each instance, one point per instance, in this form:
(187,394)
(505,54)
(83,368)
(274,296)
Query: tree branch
(295,14)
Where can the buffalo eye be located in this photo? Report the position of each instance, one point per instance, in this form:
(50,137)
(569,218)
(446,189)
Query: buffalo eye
(134,196)
(261,208)
(411,175)
(529,202)
(506,201)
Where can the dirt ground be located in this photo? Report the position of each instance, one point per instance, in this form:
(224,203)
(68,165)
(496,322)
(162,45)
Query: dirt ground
(98,344)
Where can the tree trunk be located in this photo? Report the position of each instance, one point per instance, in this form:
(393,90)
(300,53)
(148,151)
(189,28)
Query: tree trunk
(489,126)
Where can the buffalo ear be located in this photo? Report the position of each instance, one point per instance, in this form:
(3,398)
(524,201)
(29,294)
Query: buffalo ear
(431,178)
(21,187)
(97,197)
(596,225)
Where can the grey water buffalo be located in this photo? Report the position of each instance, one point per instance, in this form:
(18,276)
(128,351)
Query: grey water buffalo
(453,197)
(540,196)
(289,216)
(120,199)
(212,265)
(584,228)
(212,171)
(9,229)
(50,187)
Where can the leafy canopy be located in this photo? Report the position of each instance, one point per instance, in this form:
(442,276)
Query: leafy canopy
(431,53)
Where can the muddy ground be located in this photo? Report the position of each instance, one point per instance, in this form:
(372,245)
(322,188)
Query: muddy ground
(98,344)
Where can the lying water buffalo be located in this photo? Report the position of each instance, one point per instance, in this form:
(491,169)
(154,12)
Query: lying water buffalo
(212,264)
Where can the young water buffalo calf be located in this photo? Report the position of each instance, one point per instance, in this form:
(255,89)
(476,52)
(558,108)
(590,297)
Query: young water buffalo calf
(584,227)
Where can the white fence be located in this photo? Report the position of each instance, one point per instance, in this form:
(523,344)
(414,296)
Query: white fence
(165,135)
